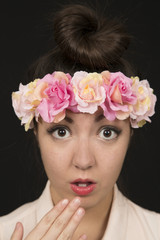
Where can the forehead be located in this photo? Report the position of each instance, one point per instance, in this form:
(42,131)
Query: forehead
(82,120)
(97,118)
(78,116)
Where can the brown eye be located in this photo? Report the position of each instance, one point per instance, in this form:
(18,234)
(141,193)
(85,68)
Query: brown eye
(108,134)
(61,133)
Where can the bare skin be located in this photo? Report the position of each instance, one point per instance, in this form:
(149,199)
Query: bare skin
(85,146)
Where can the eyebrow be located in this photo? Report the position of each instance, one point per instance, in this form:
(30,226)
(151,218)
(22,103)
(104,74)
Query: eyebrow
(68,119)
(97,119)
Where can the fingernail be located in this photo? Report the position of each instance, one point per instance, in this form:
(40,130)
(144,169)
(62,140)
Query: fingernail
(80,212)
(76,202)
(65,202)
(84,237)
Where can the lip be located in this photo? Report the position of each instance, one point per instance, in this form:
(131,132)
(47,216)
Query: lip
(83,190)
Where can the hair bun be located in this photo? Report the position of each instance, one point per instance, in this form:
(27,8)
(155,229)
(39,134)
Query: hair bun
(88,39)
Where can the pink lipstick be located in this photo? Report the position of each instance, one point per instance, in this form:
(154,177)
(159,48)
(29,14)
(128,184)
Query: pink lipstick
(83,186)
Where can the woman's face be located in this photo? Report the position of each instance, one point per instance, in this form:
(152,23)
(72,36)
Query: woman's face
(83,155)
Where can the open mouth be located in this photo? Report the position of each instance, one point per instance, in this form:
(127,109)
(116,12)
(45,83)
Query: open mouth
(83,186)
(79,184)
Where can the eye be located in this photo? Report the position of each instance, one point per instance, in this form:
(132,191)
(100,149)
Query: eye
(109,133)
(59,132)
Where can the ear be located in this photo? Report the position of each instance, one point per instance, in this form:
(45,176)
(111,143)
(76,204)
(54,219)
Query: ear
(35,135)
(35,131)
(132,132)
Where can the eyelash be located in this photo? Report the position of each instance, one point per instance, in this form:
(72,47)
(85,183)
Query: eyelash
(112,129)
(52,130)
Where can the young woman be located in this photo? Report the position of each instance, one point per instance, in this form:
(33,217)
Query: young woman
(83,106)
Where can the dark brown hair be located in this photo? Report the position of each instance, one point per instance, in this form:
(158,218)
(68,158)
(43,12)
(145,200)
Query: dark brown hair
(85,40)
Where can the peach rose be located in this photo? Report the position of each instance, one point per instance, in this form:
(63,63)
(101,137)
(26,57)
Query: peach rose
(89,91)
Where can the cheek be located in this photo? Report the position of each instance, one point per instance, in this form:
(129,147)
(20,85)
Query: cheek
(55,160)
(111,158)
(112,161)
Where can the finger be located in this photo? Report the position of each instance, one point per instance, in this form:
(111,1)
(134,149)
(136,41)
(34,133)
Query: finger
(72,225)
(83,237)
(46,222)
(18,232)
(62,220)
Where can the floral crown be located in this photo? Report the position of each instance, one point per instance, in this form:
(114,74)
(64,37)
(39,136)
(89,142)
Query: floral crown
(119,96)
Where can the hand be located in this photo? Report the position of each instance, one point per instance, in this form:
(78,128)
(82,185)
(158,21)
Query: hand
(59,223)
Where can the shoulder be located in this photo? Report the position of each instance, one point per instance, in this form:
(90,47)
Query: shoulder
(141,221)
(28,214)
(19,213)
(138,211)
(25,214)
(131,221)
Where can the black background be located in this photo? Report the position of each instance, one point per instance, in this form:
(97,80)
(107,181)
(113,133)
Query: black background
(24,36)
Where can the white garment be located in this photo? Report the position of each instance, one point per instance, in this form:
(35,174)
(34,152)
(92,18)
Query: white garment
(127,220)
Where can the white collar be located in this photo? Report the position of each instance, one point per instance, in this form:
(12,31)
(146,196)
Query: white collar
(118,217)
(44,203)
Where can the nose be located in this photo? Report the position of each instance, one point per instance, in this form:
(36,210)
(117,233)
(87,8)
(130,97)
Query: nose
(83,158)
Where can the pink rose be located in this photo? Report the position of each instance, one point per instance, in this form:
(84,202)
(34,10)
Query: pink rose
(119,97)
(58,97)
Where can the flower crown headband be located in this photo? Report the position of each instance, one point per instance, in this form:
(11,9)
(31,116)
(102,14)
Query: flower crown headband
(119,96)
